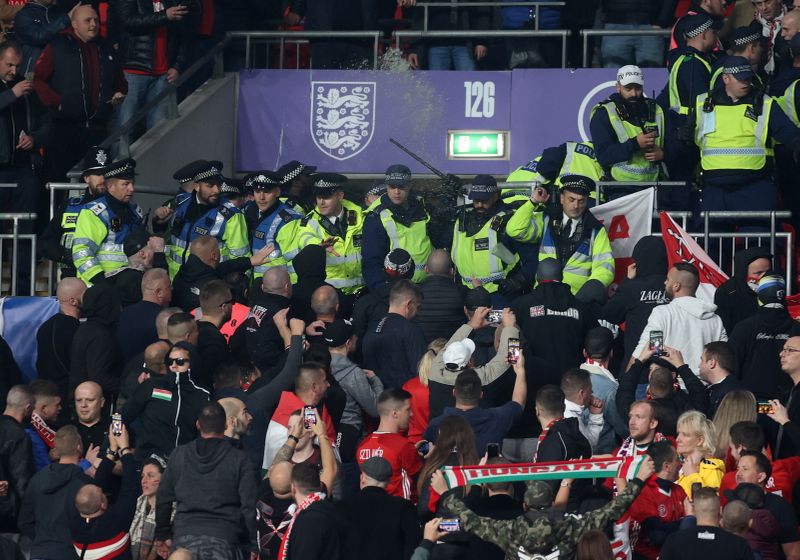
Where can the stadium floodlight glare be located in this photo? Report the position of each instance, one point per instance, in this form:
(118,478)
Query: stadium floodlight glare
(477,144)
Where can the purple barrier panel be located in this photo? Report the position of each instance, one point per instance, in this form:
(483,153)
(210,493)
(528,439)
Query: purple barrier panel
(341,121)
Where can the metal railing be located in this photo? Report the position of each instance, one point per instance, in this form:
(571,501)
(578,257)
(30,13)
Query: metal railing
(300,37)
(15,236)
(534,5)
(510,33)
(586,33)
(772,216)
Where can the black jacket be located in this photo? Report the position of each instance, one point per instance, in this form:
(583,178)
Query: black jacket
(258,339)
(94,355)
(213,486)
(718,391)
(380,526)
(318,533)
(138,38)
(213,349)
(553,323)
(564,441)
(162,413)
(194,274)
(734,299)
(35,25)
(442,309)
(636,298)
(309,265)
(370,308)
(53,350)
(43,518)
(16,466)
(758,341)
(17,115)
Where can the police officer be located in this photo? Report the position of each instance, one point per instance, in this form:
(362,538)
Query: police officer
(202,212)
(234,191)
(267,220)
(734,128)
(571,235)
(689,66)
(105,223)
(376,190)
(398,220)
(297,184)
(57,239)
(748,42)
(628,130)
(570,158)
(482,252)
(336,224)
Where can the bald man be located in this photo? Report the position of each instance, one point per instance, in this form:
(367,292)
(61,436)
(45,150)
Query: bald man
(137,323)
(686,322)
(790,25)
(93,522)
(263,341)
(92,422)
(237,417)
(16,456)
(442,309)
(54,337)
(81,94)
(325,304)
(203,265)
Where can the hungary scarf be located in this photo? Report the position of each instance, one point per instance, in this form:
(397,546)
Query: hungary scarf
(620,467)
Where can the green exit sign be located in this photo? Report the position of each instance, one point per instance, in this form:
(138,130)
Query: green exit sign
(477,144)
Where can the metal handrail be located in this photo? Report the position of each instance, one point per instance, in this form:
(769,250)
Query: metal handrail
(772,215)
(15,236)
(586,33)
(376,37)
(530,33)
(535,5)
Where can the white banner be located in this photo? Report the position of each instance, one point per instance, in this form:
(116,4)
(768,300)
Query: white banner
(627,220)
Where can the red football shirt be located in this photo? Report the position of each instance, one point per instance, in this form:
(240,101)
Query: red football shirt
(401,454)
(654,501)
(785,474)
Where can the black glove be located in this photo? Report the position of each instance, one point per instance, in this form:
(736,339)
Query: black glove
(515,284)
(592,291)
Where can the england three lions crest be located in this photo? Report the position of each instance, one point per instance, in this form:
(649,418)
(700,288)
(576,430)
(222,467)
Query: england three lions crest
(342,117)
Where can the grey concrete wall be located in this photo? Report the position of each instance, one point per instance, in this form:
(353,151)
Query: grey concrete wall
(205,130)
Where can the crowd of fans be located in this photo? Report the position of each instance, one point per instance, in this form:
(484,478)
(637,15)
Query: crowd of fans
(275,371)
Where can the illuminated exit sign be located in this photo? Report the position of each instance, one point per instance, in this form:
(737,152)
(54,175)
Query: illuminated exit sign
(477,144)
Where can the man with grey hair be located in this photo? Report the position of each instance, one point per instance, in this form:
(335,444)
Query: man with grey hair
(16,455)
(137,323)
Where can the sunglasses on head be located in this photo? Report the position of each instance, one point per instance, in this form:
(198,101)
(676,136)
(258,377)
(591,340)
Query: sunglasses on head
(177,361)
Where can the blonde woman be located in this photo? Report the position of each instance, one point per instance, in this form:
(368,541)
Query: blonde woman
(696,444)
(418,387)
(736,406)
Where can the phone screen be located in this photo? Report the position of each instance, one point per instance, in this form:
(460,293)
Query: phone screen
(309,417)
(513,350)
(764,407)
(657,342)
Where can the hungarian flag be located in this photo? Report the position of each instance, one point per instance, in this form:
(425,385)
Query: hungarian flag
(627,219)
(681,247)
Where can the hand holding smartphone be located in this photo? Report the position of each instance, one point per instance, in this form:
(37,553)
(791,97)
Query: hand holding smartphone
(513,350)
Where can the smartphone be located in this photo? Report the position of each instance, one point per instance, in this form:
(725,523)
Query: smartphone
(450,525)
(424,447)
(695,487)
(764,407)
(492,450)
(116,424)
(657,343)
(495,316)
(309,417)
(513,350)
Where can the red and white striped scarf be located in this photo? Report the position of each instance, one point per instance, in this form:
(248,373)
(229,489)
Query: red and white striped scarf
(283,551)
(45,432)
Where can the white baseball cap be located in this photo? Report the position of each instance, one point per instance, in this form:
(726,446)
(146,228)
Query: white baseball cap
(458,354)
(630,74)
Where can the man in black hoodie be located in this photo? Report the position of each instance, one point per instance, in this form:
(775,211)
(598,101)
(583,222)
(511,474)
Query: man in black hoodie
(561,440)
(759,339)
(736,298)
(640,292)
(553,322)
(213,486)
(43,517)
(94,353)
(309,265)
